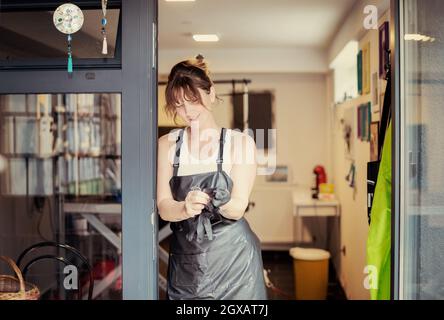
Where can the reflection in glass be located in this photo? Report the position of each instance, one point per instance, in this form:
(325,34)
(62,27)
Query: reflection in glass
(422,210)
(32,34)
(60,181)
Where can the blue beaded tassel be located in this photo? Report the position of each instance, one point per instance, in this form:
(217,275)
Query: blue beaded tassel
(69,63)
(104,21)
(105,44)
(69,54)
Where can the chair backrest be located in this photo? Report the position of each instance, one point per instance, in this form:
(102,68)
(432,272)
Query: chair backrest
(63,260)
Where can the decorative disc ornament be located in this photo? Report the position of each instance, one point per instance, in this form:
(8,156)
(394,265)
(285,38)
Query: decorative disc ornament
(68,19)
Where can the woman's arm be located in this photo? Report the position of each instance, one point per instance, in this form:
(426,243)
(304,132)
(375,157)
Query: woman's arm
(243,174)
(170,209)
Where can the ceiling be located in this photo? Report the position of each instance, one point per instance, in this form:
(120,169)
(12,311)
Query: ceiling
(251,23)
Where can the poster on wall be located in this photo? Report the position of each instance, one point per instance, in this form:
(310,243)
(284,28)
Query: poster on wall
(383,48)
(366,68)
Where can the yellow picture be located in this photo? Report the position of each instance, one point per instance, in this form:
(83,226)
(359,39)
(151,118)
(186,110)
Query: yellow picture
(366,68)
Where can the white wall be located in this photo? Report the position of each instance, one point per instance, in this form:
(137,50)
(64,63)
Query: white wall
(301,143)
(353,28)
(299,111)
(300,117)
(353,224)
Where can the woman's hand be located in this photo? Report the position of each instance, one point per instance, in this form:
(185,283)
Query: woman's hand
(195,201)
(220,197)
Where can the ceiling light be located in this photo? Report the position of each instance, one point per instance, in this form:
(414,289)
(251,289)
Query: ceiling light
(418,37)
(180,0)
(205,37)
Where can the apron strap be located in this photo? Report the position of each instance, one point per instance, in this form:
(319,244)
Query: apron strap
(177,153)
(220,159)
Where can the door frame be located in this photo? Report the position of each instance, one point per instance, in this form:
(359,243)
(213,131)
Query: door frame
(136,80)
(395,58)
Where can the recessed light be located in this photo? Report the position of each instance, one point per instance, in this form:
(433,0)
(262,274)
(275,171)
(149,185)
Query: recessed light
(418,37)
(180,0)
(205,37)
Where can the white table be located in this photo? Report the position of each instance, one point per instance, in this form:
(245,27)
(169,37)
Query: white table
(305,206)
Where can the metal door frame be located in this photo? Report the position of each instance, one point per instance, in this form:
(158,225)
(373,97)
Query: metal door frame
(137,82)
(395,43)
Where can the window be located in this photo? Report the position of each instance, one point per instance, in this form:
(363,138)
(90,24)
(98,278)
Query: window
(260,116)
(345,73)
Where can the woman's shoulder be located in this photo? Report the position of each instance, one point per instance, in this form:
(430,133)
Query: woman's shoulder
(241,136)
(170,137)
(242,144)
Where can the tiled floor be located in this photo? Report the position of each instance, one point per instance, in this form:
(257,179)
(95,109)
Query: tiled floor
(280,265)
(281,274)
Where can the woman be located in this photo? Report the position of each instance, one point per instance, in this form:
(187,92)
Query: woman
(203,190)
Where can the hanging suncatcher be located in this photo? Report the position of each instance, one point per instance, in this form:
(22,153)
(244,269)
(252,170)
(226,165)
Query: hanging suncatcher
(68,19)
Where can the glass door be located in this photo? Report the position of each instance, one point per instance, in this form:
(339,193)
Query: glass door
(61,185)
(78,151)
(421,131)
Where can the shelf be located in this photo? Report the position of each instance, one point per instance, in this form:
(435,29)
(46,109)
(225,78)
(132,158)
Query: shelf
(62,154)
(21,114)
(26,156)
(88,155)
(68,113)
(97,208)
(71,116)
(103,198)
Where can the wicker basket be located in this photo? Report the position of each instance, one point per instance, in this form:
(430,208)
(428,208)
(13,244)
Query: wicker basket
(15,288)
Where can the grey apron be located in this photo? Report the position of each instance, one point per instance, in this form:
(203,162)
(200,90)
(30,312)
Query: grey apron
(212,257)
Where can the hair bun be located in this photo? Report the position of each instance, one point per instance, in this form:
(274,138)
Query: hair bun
(201,64)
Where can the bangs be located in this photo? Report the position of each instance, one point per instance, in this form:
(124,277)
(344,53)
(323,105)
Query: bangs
(180,90)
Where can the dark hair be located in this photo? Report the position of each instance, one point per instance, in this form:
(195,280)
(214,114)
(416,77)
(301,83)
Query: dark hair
(189,75)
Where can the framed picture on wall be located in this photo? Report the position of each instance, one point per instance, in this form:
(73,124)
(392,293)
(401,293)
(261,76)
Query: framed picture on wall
(375,89)
(368,118)
(366,68)
(374,130)
(364,119)
(359,68)
(383,48)
(280,174)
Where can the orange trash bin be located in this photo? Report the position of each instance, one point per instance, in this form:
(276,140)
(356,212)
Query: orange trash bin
(310,273)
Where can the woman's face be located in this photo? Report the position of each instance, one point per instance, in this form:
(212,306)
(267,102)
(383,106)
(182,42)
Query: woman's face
(195,111)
